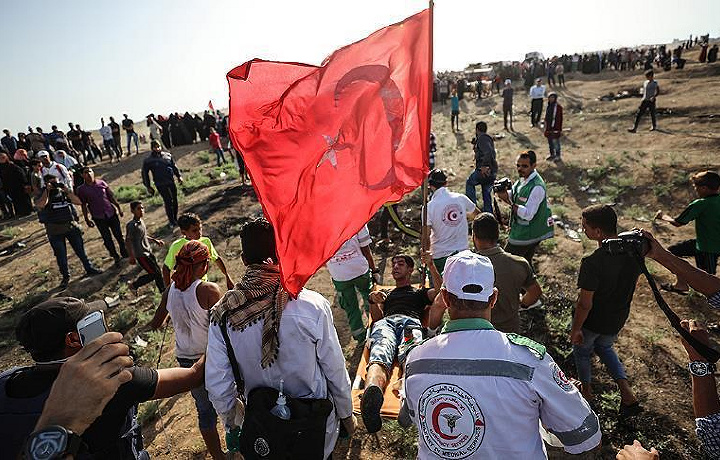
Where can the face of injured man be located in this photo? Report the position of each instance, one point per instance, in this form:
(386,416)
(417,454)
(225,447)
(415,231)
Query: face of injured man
(400,269)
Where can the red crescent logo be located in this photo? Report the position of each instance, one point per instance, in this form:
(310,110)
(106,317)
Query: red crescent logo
(435,421)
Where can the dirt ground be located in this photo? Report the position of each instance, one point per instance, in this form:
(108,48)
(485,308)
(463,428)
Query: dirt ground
(640,173)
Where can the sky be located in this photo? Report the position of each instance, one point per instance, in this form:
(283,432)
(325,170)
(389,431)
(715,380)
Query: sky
(80,60)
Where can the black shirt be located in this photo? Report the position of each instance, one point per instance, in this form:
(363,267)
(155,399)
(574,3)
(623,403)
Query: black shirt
(612,278)
(406,301)
(103,436)
(114,128)
(128,125)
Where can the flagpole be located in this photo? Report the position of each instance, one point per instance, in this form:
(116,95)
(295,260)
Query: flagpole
(424,237)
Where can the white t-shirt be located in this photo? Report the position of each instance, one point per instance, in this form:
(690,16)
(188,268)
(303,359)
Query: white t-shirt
(190,321)
(447,219)
(106,133)
(349,261)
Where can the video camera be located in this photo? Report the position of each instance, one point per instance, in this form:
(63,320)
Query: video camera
(632,242)
(502,185)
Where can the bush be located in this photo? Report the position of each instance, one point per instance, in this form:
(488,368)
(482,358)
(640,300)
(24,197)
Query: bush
(128,193)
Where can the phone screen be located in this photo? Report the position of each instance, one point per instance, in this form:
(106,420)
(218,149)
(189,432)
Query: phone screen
(92,331)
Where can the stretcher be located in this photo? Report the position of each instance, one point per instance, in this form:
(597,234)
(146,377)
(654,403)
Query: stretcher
(391,402)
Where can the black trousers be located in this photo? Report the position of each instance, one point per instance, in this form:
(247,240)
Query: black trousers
(705,261)
(150,265)
(536,107)
(507,113)
(168,192)
(526,251)
(644,107)
(108,227)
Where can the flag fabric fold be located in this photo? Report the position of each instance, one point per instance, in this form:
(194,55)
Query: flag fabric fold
(327,145)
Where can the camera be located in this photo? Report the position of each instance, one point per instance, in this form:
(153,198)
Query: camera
(502,185)
(632,242)
(60,185)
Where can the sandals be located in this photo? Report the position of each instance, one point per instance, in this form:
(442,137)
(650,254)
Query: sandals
(670,288)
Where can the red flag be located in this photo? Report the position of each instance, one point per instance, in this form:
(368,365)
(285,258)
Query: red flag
(210,106)
(327,146)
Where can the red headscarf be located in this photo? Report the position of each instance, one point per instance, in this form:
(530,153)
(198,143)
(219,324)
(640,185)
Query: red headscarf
(191,254)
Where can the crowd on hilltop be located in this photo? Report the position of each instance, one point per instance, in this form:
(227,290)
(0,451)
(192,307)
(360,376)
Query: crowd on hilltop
(22,169)
(553,69)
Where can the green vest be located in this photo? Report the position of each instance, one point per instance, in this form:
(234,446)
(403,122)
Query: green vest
(525,232)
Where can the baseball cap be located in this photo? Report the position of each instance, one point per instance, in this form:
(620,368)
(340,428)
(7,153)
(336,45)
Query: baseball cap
(469,276)
(508,81)
(42,329)
(43,153)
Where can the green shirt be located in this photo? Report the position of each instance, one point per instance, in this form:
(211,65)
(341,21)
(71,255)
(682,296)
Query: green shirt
(706,214)
(178,244)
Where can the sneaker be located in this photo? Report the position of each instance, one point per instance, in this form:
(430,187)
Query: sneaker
(632,130)
(557,158)
(93,271)
(550,158)
(654,128)
(370,405)
(64,283)
(132,288)
(537,304)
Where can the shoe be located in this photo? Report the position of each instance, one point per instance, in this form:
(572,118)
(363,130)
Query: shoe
(632,130)
(64,283)
(654,128)
(93,271)
(370,405)
(630,410)
(550,158)
(537,304)
(117,261)
(670,288)
(132,288)
(557,159)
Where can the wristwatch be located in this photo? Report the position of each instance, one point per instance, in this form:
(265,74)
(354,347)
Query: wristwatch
(52,442)
(701,369)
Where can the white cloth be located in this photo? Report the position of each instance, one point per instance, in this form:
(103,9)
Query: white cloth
(447,219)
(537,195)
(190,321)
(475,395)
(106,133)
(154,130)
(310,361)
(59,171)
(67,160)
(349,262)
(537,92)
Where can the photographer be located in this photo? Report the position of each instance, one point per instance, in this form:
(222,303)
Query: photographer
(607,285)
(49,333)
(705,211)
(56,211)
(530,220)
(485,167)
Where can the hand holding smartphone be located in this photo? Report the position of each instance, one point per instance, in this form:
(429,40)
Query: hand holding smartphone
(91,327)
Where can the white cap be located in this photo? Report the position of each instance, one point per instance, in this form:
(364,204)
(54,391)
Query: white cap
(469,276)
(43,153)
(508,81)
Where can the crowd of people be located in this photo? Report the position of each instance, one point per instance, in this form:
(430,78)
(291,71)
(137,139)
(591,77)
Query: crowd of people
(253,357)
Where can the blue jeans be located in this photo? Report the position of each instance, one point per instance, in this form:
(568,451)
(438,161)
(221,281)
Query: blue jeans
(603,347)
(386,339)
(74,237)
(219,154)
(207,417)
(486,182)
(134,137)
(554,145)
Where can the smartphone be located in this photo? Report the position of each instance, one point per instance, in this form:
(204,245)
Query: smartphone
(91,327)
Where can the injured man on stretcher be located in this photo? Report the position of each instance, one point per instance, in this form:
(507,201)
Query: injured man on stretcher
(397,316)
